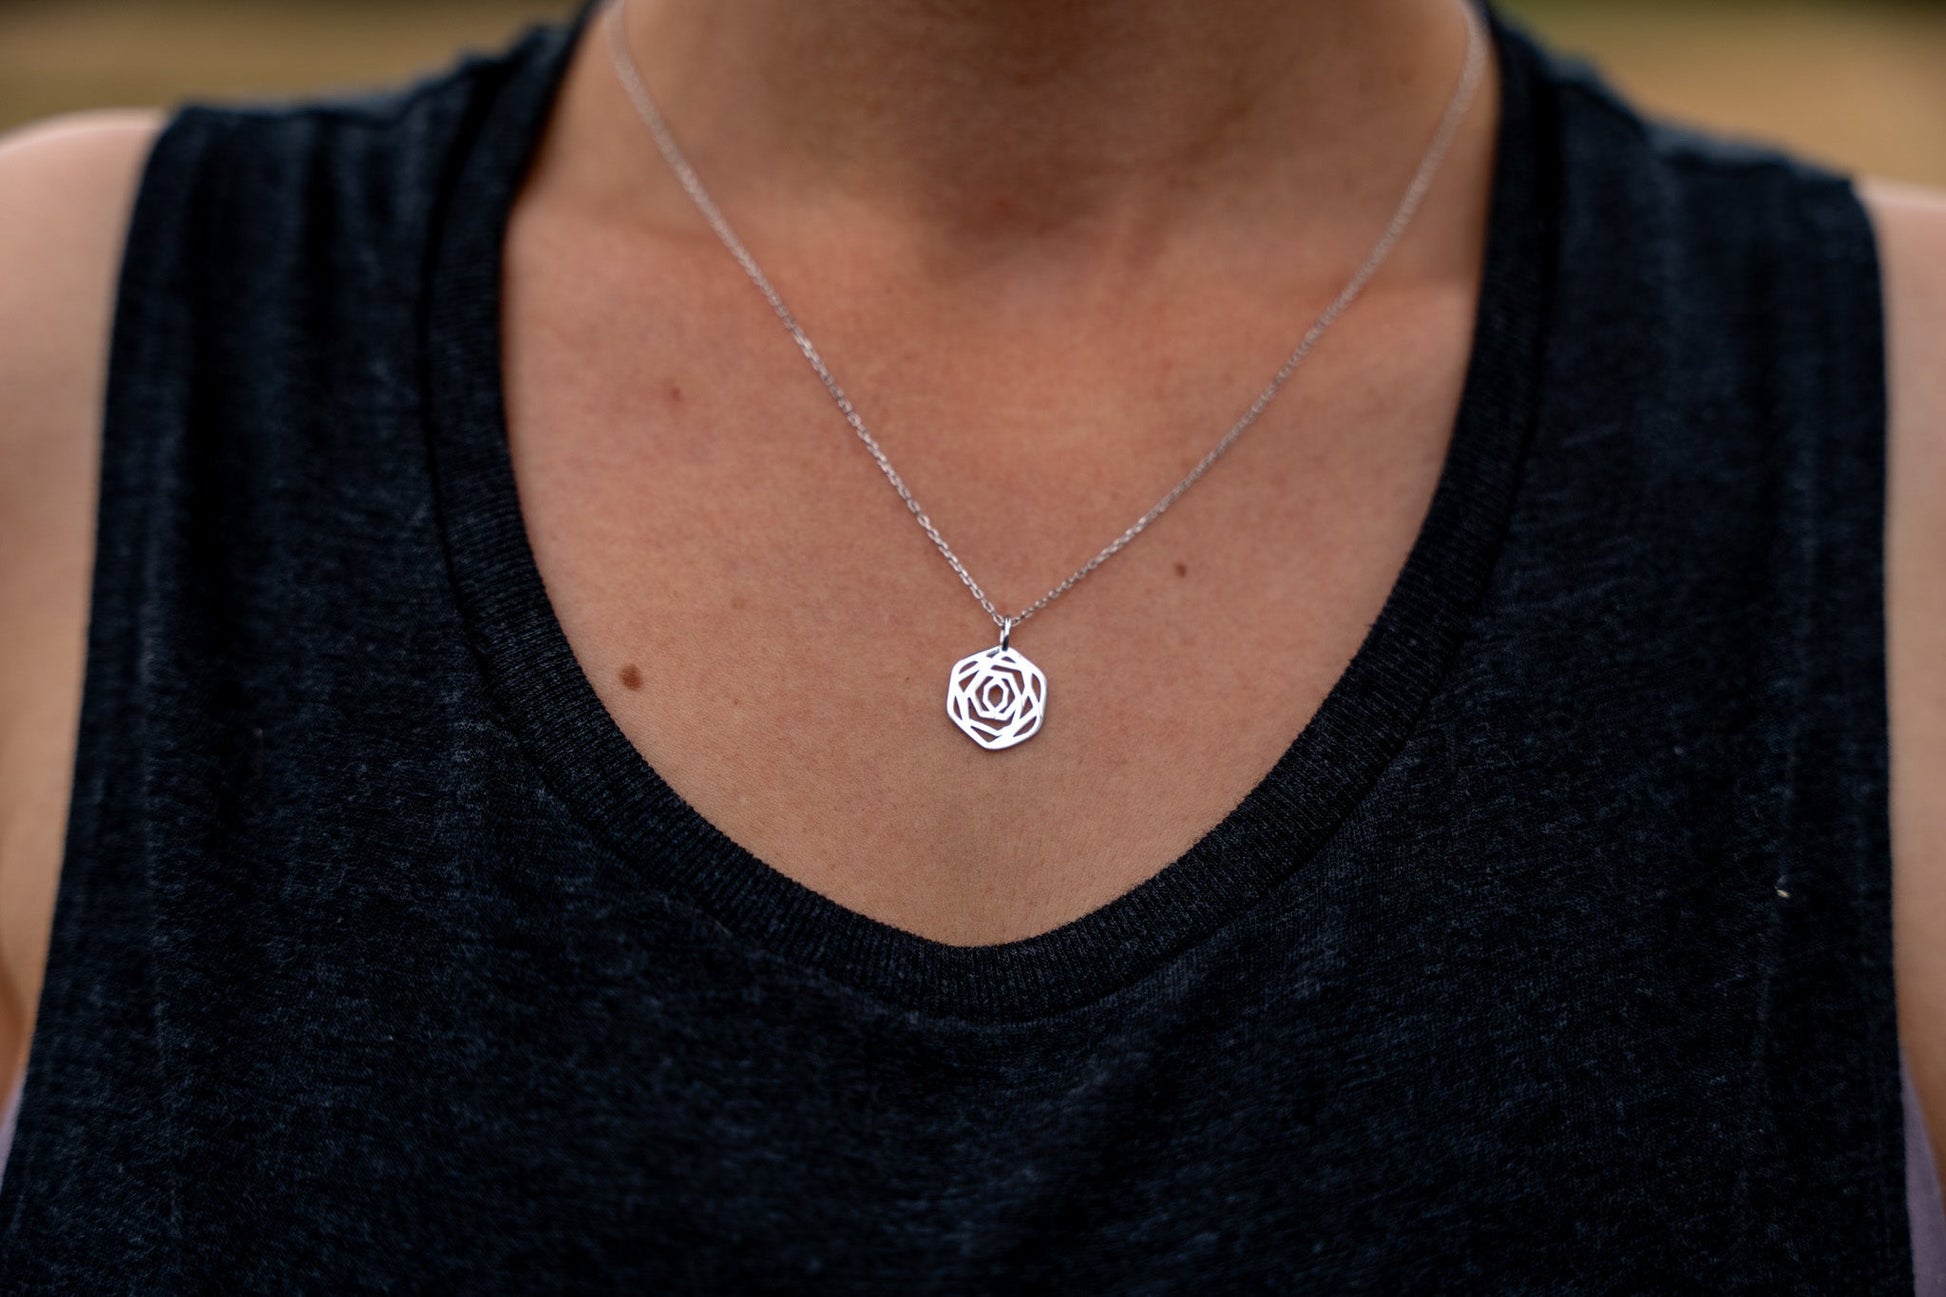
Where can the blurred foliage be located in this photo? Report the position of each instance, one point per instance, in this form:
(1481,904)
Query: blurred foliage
(1861,85)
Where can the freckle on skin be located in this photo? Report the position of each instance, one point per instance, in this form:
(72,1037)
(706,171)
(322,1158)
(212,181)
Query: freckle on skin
(631,678)
(1182,569)
(675,393)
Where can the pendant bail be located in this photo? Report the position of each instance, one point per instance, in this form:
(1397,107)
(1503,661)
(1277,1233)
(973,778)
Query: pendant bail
(1006,629)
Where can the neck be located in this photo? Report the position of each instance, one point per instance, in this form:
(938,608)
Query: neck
(1002,118)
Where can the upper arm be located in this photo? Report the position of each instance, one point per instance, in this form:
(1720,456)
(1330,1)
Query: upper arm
(66,189)
(1911,226)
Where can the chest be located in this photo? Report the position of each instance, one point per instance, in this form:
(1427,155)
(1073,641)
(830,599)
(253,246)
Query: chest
(758,611)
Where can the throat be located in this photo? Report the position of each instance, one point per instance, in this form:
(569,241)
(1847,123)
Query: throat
(995,119)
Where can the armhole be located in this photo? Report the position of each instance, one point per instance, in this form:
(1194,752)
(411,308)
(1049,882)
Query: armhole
(1849,618)
(80,1153)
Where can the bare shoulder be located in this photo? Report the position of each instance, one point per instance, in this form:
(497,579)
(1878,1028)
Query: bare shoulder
(1911,229)
(67,186)
(66,189)
(1911,226)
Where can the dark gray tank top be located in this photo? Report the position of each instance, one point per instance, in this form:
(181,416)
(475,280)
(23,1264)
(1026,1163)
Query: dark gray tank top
(1553,956)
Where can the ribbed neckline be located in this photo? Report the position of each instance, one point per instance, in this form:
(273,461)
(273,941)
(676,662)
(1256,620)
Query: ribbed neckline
(1279,826)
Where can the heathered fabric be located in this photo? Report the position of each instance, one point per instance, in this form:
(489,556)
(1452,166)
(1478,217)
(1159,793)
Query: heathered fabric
(1553,956)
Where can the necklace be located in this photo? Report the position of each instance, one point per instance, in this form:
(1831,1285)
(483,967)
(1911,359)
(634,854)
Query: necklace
(997,697)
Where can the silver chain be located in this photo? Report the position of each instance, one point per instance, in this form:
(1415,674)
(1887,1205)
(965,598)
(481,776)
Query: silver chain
(1469,79)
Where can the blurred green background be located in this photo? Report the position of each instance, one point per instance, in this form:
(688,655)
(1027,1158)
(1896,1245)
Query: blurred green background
(1860,85)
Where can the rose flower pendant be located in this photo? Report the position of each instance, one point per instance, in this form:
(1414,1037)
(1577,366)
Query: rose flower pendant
(996,697)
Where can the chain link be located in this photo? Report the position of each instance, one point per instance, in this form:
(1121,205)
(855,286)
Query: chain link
(1463,91)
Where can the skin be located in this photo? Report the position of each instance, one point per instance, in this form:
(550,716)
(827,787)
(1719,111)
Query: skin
(1052,250)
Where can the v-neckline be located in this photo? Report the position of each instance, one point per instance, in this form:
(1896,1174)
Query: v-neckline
(1366,717)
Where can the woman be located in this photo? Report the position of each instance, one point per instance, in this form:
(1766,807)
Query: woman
(514,842)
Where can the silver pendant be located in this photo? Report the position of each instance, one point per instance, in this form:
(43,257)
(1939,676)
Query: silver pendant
(997,696)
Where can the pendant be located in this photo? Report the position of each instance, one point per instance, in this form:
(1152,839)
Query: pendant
(996,696)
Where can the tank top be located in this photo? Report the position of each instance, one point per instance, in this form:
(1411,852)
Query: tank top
(1554,955)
